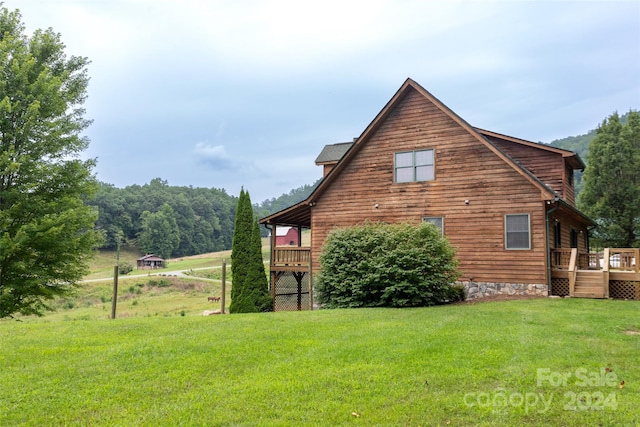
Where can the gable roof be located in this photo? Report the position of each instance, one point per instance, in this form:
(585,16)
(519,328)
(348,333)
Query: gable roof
(301,212)
(573,158)
(332,153)
(150,257)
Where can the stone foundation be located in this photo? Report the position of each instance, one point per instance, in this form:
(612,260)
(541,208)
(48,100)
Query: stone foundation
(474,290)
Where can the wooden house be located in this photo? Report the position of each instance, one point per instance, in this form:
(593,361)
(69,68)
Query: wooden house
(506,204)
(149,262)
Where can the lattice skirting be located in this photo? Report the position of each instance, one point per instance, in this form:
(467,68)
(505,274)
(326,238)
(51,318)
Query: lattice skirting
(560,287)
(291,292)
(624,289)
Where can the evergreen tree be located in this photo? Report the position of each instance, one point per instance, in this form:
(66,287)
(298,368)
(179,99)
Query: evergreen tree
(249,293)
(611,183)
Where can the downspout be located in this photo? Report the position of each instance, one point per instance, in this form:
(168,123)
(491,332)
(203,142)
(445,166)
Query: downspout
(550,211)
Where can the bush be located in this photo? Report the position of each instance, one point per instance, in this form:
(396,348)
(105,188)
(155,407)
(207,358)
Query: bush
(160,283)
(387,265)
(125,268)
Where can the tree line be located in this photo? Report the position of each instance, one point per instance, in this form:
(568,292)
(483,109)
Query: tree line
(172,221)
(168,221)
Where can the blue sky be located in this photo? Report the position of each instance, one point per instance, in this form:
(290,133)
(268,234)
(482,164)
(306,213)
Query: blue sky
(228,94)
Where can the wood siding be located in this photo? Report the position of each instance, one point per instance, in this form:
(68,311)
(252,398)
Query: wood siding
(569,191)
(465,169)
(547,166)
(566,225)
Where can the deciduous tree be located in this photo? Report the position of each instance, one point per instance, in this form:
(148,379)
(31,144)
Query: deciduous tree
(46,230)
(611,182)
(160,234)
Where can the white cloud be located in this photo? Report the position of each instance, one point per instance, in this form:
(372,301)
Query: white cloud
(214,156)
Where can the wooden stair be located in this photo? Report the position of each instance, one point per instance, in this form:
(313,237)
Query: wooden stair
(589,284)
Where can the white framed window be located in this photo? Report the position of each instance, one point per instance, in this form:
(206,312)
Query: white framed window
(517,228)
(414,166)
(438,221)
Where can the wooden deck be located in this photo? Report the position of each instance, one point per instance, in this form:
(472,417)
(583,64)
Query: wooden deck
(291,279)
(613,273)
(291,258)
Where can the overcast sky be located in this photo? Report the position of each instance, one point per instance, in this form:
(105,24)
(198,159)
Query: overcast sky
(236,93)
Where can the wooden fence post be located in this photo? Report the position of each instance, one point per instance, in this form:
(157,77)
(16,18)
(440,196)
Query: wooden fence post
(115,292)
(224,286)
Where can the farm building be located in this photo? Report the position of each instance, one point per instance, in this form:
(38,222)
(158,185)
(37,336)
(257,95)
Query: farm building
(506,204)
(287,236)
(149,262)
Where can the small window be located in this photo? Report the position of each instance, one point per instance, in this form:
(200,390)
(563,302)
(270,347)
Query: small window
(438,221)
(414,166)
(517,231)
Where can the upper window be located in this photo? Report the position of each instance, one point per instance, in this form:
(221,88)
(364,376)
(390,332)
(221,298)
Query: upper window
(517,231)
(438,221)
(412,166)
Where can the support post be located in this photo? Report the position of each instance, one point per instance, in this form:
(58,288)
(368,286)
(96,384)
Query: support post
(115,292)
(224,286)
(605,271)
(573,267)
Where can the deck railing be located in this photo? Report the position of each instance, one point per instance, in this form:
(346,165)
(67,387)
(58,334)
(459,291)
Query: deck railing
(622,259)
(560,258)
(291,256)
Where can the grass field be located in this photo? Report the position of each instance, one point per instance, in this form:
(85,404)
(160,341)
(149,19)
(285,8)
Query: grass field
(178,290)
(522,362)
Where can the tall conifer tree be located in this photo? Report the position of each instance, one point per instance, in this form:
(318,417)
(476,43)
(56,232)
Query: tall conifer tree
(249,292)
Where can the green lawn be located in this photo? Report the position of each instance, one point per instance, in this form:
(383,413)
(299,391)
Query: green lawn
(525,362)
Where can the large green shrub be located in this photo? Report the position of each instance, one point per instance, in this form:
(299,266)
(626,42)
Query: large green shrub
(387,265)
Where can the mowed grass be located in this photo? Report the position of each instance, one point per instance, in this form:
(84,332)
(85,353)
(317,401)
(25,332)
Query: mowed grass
(458,365)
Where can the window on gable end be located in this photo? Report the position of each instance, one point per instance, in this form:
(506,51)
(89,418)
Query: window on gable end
(414,166)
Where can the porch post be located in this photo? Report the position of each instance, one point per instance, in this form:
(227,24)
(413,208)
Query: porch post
(605,272)
(272,274)
(572,270)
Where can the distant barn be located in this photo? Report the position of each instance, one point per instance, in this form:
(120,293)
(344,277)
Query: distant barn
(150,262)
(286,236)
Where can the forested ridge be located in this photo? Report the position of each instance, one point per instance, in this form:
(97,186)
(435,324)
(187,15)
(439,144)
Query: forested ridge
(173,221)
(180,221)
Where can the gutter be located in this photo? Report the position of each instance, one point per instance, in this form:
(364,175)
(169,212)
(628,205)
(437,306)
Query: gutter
(550,211)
